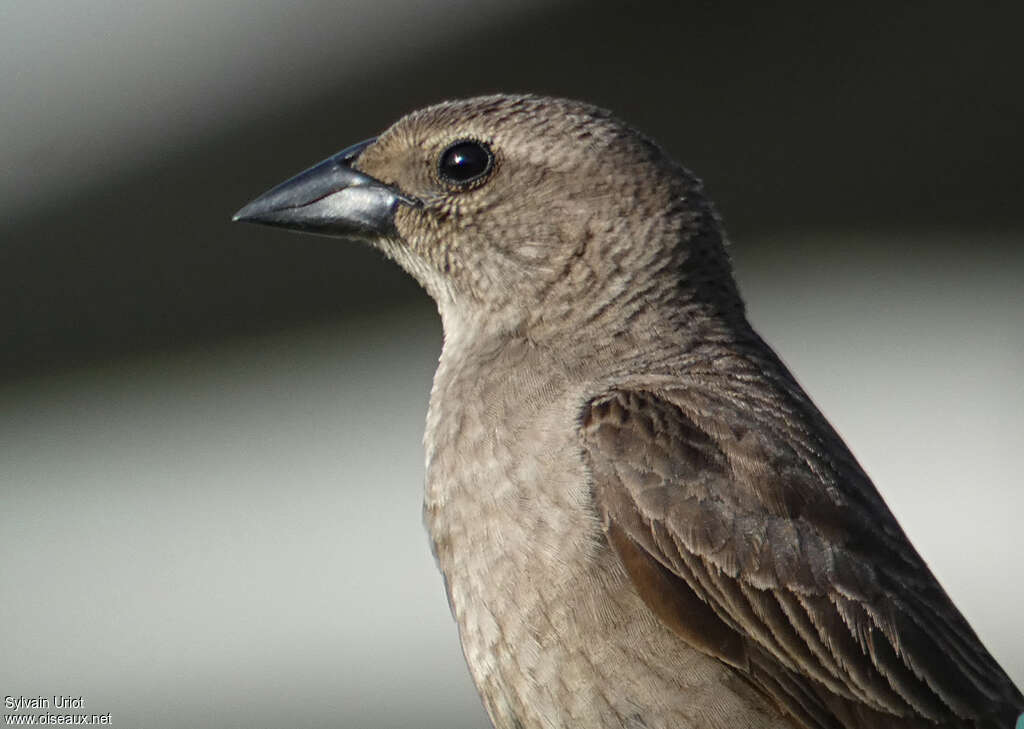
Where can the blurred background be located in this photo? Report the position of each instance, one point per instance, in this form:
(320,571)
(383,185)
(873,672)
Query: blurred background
(210,459)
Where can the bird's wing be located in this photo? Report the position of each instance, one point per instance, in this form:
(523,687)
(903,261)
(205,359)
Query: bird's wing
(750,530)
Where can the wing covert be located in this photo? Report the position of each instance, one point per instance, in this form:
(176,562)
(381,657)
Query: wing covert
(750,525)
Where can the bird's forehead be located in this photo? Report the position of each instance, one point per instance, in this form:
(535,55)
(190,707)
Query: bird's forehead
(505,120)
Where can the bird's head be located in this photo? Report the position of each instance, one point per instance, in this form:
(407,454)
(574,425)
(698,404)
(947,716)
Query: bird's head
(520,213)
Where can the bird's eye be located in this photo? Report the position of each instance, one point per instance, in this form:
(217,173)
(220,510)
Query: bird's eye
(465,162)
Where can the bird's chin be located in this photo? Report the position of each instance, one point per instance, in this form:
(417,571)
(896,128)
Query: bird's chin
(438,286)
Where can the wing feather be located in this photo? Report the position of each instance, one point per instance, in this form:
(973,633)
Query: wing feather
(751,505)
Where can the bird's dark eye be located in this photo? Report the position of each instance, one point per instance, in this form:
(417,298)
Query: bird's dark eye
(465,162)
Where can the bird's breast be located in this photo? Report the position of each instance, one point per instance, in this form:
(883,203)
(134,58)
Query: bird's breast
(507,500)
(513,526)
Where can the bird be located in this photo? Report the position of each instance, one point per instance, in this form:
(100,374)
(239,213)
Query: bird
(641,519)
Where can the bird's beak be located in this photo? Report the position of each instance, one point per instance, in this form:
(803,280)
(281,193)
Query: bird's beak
(330,198)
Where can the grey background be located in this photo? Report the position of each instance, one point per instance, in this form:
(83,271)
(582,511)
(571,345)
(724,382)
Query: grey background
(210,458)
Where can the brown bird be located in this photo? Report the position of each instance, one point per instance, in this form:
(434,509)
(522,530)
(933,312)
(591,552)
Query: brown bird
(642,520)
